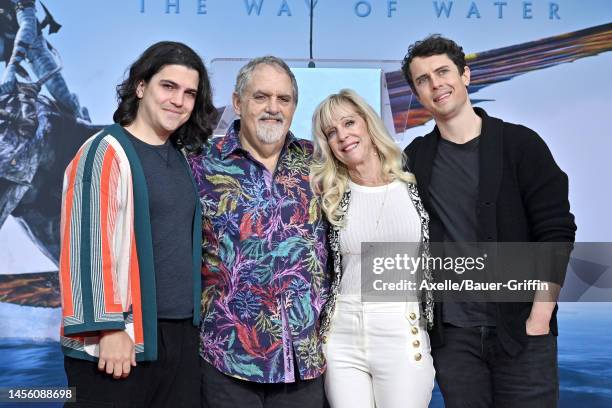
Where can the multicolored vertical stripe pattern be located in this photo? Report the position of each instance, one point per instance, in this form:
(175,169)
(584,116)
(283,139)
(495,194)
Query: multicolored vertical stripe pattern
(107,278)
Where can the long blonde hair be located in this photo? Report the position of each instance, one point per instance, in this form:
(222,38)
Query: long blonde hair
(329,177)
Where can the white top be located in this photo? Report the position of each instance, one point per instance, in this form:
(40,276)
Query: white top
(391,208)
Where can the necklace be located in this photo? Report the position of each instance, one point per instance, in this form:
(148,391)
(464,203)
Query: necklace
(373,235)
(381,211)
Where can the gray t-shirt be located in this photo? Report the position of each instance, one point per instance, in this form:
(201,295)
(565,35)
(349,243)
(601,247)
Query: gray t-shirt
(172,208)
(454,197)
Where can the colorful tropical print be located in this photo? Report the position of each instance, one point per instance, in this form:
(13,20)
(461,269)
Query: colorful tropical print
(264,262)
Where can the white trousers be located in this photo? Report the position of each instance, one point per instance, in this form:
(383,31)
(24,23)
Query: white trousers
(377,356)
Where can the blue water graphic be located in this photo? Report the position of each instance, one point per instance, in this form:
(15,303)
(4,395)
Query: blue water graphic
(585,359)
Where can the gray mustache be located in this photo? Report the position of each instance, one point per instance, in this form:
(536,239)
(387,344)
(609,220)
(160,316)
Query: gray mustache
(275,117)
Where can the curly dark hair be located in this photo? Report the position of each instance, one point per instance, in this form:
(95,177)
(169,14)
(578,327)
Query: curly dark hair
(193,133)
(433,45)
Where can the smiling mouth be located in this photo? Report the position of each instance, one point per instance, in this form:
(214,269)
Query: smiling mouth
(350,147)
(272,120)
(442,97)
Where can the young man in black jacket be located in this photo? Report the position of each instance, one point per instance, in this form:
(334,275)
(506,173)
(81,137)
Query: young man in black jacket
(485,180)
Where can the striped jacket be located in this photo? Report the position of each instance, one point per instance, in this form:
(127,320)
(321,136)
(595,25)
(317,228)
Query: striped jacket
(107,277)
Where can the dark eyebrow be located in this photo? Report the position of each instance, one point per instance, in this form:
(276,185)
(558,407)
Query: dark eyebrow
(421,77)
(171,82)
(435,70)
(260,92)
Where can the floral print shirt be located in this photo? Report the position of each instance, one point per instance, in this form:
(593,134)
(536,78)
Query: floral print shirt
(265,276)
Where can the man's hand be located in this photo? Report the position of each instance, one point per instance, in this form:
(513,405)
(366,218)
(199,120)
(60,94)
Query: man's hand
(117,353)
(537,326)
(538,322)
(544,302)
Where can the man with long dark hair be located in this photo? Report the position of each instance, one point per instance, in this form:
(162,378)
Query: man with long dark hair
(131,240)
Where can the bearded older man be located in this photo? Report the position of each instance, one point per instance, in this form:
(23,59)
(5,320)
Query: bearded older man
(264,252)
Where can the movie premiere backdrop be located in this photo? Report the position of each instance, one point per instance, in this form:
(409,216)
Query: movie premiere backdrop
(545,64)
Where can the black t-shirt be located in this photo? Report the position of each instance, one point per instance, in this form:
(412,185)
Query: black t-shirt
(454,197)
(172,208)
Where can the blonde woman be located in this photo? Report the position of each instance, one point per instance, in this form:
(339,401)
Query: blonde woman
(377,353)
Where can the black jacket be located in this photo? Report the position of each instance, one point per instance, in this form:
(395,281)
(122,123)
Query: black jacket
(522,197)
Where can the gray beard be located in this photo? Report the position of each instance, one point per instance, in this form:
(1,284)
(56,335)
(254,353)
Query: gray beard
(269,134)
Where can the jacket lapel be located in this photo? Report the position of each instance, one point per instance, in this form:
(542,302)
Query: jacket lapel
(491,162)
(423,164)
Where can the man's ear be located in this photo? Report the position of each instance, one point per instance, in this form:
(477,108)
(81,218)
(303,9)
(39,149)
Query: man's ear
(466,76)
(413,87)
(236,103)
(416,94)
(140,89)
